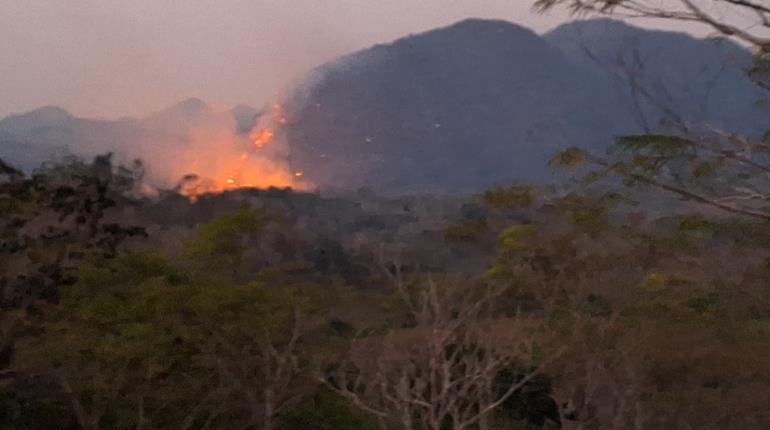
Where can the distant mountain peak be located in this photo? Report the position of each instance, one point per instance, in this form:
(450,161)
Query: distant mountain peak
(608,30)
(190,106)
(41,117)
(485,36)
(483,24)
(599,22)
(190,109)
(51,110)
(472,29)
(44,113)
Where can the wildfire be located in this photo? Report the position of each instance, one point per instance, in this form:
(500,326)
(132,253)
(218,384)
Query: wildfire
(227,161)
(279,115)
(261,138)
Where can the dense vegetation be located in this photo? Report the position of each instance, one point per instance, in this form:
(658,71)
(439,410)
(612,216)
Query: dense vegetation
(596,306)
(272,309)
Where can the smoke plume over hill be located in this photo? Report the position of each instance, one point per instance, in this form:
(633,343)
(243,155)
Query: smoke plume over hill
(461,108)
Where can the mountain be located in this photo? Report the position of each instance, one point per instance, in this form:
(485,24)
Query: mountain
(28,139)
(459,108)
(46,116)
(676,75)
(484,102)
(17,130)
(180,116)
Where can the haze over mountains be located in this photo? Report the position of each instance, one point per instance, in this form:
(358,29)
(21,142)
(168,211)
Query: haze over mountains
(458,108)
(169,141)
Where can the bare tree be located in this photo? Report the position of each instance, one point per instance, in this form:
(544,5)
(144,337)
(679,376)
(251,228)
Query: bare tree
(262,372)
(443,370)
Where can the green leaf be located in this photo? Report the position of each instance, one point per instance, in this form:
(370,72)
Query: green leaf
(696,223)
(655,144)
(704,304)
(513,197)
(704,168)
(572,157)
(465,231)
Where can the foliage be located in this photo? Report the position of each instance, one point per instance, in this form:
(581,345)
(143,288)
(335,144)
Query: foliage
(325,410)
(728,173)
(581,310)
(513,197)
(442,371)
(465,231)
(51,221)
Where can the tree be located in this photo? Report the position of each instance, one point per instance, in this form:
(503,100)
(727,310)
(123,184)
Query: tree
(719,170)
(54,219)
(50,222)
(221,245)
(635,302)
(139,340)
(443,370)
(703,164)
(106,346)
(256,340)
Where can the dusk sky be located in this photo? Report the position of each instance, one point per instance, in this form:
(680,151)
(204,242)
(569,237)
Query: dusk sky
(111,58)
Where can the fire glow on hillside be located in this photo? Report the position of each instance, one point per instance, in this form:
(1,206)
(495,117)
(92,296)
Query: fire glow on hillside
(230,161)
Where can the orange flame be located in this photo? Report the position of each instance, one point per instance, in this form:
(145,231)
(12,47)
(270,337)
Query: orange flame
(279,115)
(261,138)
(261,163)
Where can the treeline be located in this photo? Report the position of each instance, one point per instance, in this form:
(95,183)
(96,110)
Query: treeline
(519,308)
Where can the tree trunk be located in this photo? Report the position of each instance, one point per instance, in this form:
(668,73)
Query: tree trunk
(85,420)
(267,418)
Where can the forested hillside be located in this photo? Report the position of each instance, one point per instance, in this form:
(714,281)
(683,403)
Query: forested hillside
(276,309)
(633,293)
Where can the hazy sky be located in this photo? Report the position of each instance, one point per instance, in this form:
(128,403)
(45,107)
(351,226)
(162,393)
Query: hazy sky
(110,58)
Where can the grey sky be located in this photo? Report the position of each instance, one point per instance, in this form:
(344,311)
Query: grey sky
(109,58)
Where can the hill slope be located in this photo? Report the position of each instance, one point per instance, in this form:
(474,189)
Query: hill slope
(28,139)
(677,76)
(484,102)
(454,109)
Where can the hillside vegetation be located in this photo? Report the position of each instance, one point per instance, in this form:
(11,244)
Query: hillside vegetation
(269,309)
(632,293)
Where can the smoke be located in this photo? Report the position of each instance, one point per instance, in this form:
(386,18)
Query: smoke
(112,58)
(200,149)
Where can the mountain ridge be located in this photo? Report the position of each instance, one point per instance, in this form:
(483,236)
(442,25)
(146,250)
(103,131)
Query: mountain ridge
(482,102)
(50,133)
(462,107)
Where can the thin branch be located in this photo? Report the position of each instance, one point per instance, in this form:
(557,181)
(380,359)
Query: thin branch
(513,388)
(709,201)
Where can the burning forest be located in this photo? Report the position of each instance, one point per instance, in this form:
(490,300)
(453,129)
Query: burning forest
(217,159)
(477,227)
